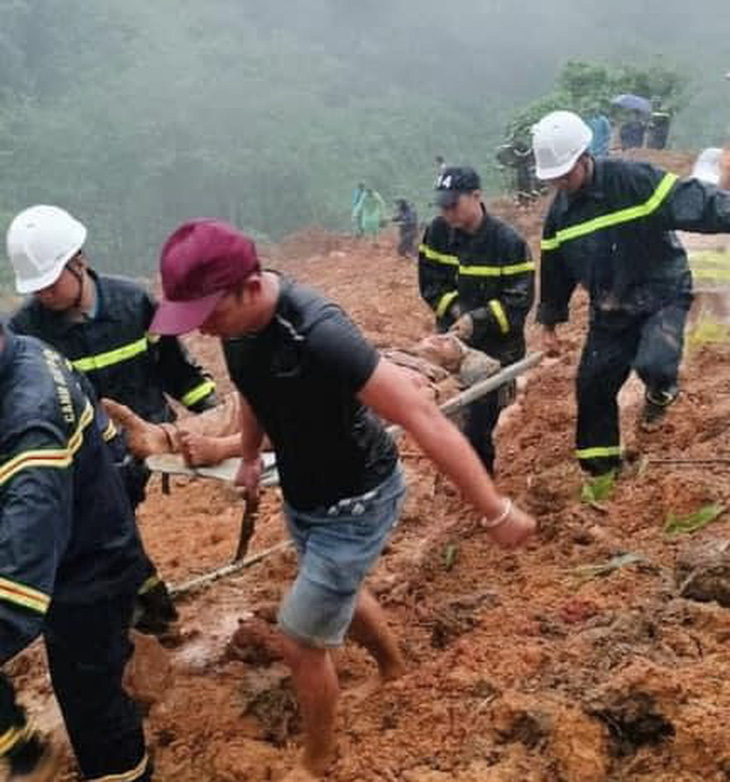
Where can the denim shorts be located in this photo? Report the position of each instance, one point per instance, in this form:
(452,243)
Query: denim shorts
(336,548)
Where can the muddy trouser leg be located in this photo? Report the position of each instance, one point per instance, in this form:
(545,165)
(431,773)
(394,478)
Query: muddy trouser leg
(155,607)
(20,745)
(12,716)
(604,366)
(660,353)
(88,647)
(479,422)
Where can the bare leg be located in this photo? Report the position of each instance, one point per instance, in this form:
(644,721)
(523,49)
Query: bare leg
(143,437)
(370,629)
(315,682)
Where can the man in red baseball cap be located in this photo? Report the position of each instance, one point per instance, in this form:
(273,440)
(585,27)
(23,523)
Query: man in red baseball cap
(312,383)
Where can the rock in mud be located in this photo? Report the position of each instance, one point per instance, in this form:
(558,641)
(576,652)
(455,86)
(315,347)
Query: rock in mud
(148,675)
(702,571)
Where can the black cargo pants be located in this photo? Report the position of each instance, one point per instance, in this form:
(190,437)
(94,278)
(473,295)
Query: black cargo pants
(88,648)
(652,346)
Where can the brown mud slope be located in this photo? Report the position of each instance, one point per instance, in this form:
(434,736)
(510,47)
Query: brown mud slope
(522,666)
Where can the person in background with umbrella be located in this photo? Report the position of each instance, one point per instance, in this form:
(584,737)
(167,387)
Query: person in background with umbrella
(632,131)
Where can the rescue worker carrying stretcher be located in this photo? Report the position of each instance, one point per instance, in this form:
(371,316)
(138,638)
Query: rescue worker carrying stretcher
(100,323)
(610,228)
(70,565)
(476,273)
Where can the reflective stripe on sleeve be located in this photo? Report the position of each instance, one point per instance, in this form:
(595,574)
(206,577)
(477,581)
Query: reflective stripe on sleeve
(445,302)
(501,316)
(497,271)
(111,357)
(49,457)
(19,594)
(110,432)
(613,218)
(199,392)
(434,255)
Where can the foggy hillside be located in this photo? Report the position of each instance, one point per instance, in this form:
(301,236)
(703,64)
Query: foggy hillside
(137,115)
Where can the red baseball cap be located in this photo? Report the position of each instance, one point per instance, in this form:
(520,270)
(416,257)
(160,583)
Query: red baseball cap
(199,263)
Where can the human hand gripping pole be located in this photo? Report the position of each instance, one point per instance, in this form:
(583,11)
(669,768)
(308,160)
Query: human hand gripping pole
(248,478)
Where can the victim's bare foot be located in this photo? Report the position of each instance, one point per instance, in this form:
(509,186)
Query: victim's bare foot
(143,438)
(372,685)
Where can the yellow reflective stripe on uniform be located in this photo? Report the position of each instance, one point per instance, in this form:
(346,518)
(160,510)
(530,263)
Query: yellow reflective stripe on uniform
(49,457)
(710,264)
(613,218)
(125,776)
(711,274)
(519,268)
(602,452)
(110,432)
(199,392)
(445,302)
(13,736)
(14,592)
(434,255)
(498,311)
(709,258)
(116,356)
(497,271)
(149,583)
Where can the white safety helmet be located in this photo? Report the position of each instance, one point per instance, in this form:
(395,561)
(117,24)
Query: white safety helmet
(558,140)
(41,240)
(707,165)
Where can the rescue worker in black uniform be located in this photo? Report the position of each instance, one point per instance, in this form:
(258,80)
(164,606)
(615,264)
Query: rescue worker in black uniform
(477,275)
(406,219)
(610,228)
(70,566)
(100,324)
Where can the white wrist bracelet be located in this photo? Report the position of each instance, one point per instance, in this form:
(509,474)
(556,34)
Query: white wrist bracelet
(503,516)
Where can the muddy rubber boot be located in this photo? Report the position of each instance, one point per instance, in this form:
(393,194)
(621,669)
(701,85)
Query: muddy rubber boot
(154,611)
(656,404)
(36,760)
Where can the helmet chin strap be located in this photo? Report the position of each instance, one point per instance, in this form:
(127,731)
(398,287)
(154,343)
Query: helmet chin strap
(79,275)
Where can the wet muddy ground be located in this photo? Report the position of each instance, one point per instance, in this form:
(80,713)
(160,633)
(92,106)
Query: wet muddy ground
(598,652)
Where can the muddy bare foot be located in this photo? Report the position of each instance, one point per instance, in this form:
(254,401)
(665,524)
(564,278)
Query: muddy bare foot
(373,685)
(143,438)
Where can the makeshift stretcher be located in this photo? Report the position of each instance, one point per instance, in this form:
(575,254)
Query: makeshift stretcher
(173,464)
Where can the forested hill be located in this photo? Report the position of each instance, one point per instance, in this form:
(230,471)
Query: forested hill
(136,115)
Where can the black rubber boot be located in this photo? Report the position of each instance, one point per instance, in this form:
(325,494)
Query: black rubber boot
(154,610)
(35,760)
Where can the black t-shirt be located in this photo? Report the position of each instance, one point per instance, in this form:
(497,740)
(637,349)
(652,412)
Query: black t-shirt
(301,375)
